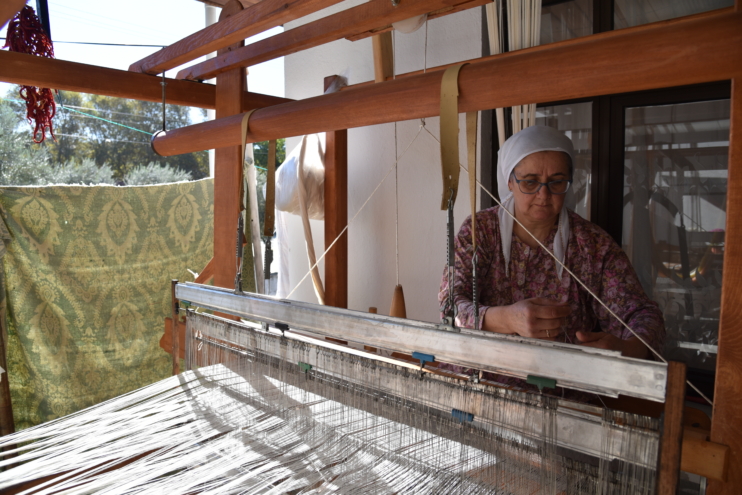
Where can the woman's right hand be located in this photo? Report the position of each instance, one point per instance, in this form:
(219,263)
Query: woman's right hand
(538,318)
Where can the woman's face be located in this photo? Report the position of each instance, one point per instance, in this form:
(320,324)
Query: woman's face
(543,207)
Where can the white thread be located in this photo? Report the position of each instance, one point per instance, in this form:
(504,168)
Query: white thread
(396,201)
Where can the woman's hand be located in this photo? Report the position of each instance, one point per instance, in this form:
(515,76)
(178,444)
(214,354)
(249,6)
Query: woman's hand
(538,318)
(632,347)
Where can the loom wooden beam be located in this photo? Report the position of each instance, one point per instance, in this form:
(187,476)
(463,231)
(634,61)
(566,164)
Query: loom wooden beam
(647,57)
(20,68)
(253,20)
(8,10)
(704,458)
(672,431)
(174,328)
(336,215)
(383,56)
(726,426)
(230,86)
(357,22)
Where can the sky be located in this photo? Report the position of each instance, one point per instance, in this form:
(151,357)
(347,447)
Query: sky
(143,22)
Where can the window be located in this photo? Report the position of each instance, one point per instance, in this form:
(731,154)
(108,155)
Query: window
(562,20)
(627,13)
(675,189)
(575,120)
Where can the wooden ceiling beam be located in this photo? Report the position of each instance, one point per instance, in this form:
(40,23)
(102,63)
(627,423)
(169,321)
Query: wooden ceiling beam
(653,56)
(19,68)
(8,10)
(357,22)
(253,20)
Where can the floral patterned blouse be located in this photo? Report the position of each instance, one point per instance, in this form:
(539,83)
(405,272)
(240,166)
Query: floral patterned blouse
(591,254)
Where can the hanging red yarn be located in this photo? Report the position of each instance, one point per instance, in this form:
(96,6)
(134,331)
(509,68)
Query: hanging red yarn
(27,35)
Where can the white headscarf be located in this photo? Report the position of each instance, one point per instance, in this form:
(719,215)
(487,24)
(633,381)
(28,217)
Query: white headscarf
(528,141)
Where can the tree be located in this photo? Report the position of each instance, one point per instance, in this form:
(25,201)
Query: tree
(21,161)
(115,131)
(260,152)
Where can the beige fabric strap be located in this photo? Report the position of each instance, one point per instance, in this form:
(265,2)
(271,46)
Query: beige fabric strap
(471,151)
(270,191)
(245,127)
(450,134)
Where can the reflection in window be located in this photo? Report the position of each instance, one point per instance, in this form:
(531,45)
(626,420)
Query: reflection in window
(627,13)
(575,120)
(675,188)
(566,20)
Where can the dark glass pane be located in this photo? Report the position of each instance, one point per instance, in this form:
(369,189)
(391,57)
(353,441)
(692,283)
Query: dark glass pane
(675,190)
(629,13)
(576,121)
(566,20)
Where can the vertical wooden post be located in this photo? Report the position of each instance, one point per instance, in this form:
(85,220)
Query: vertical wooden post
(336,215)
(7,424)
(726,420)
(672,430)
(230,87)
(383,56)
(174,328)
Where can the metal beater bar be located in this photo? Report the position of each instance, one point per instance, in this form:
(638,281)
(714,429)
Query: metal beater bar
(580,368)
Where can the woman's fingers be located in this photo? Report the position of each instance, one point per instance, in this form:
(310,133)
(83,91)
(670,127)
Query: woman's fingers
(540,318)
(551,311)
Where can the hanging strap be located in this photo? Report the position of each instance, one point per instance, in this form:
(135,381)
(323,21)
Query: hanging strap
(471,145)
(471,151)
(450,134)
(245,127)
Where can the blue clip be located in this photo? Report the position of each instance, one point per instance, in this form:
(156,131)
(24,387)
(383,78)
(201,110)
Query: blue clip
(423,358)
(462,416)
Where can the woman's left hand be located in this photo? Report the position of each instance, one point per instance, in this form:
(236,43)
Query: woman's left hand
(632,347)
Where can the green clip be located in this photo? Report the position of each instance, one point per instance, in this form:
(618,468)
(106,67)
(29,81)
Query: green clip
(541,382)
(185,303)
(304,366)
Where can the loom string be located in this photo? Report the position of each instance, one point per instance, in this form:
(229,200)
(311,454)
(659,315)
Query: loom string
(415,458)
(577,279)
(393,167)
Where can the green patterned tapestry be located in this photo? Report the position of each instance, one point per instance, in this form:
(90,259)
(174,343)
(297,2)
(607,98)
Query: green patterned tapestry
(87,287)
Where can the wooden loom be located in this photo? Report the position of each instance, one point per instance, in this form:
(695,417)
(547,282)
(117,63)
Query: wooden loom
(692,50)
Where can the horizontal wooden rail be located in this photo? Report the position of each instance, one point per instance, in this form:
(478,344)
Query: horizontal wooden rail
(19,68)
(8,10)
(376,15)
(647,57)
(253,20)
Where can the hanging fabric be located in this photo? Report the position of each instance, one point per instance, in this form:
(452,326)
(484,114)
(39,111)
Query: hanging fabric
(252,259)
(524,31)
(300,190)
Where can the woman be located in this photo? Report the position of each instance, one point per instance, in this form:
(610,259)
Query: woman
(522,290)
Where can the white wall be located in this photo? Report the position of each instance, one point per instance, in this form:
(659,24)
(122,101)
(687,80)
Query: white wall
(422,225)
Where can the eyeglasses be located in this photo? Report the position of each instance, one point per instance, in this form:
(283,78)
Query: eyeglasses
(529,186)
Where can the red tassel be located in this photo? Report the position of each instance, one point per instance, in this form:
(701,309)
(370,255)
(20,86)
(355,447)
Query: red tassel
(26,35)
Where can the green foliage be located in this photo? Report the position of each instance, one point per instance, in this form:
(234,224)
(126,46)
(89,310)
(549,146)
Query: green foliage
(96,136)
(154,173)
(260,152)
(85,172)
(21,161)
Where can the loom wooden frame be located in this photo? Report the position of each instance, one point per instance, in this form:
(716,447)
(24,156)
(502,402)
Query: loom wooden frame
(697,49)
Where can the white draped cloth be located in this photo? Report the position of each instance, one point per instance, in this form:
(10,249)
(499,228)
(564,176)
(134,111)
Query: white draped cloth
(526,142)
